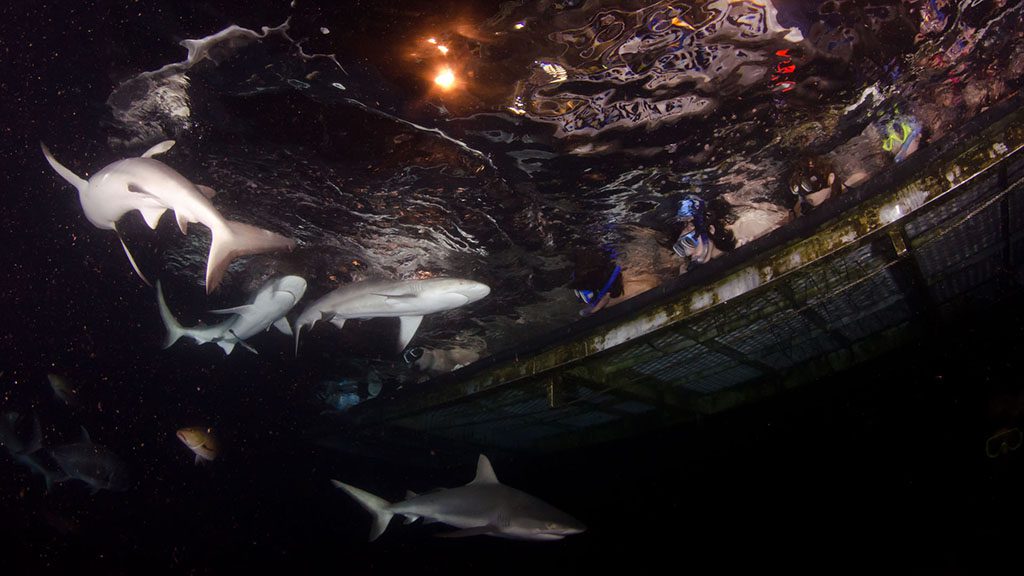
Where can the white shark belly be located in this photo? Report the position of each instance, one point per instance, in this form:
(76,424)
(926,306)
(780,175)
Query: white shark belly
(252,324)
(146,184)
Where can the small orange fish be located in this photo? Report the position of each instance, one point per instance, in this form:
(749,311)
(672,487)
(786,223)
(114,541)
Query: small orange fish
(200,440)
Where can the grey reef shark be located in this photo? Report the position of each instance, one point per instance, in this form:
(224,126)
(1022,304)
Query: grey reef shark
(152,188)
(485,506)
(269,307)
(409,300)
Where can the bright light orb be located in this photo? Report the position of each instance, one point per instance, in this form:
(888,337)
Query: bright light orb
(443,49)
(445,78)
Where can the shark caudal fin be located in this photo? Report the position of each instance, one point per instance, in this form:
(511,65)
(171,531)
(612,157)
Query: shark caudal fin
(66,174)
(375,505)
(174,330)
(235,240)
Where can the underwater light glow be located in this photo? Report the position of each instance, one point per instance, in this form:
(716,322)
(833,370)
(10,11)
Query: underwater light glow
(445,78)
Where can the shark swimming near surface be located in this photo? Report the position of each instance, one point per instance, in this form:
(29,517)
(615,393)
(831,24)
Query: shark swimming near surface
(152,188)
(269,307)
(409,300)
(482,507)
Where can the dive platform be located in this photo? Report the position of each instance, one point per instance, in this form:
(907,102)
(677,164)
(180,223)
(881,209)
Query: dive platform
(916,248)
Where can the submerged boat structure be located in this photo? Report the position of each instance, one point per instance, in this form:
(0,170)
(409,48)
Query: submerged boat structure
(934,238)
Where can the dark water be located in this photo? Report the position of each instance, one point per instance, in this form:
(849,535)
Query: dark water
(585,126)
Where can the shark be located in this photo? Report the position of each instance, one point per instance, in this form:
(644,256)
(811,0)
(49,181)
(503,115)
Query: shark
(485,506)
(27,452)
(409,300)
(96,465)
(269,307)
(152,187)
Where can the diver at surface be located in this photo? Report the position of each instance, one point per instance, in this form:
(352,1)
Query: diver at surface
(694,243)
(812,181)
(606,276)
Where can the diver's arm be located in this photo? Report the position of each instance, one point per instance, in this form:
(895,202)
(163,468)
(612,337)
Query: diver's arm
(600,304)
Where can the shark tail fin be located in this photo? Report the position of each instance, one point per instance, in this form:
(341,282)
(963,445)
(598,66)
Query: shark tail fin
(66,174)
(174,330)
(237,239)
(379,507)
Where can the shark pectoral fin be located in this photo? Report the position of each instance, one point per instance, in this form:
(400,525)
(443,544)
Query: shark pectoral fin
(245,345)
(152,216)
(410,518)
(408,328)
(242,343)
(282,325)
(478,531)
(182,222)
(131,259)
(226,345)
(338,321)
(207,191)
(240,310)
(198,460)
(158,149)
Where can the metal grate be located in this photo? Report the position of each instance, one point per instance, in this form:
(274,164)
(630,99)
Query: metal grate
(857,292)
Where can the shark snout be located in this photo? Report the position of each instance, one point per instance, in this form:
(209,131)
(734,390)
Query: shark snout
(471,290)
(576,528)
(294,285)
(565,527)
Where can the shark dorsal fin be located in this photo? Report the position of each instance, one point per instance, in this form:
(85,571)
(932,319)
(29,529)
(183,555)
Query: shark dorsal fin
(158,149)
(85,436)
(484,472)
